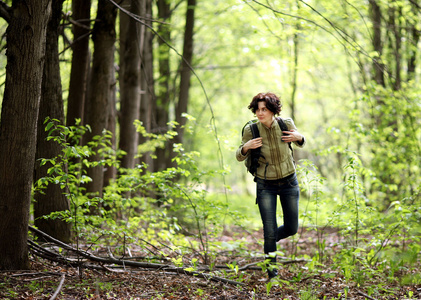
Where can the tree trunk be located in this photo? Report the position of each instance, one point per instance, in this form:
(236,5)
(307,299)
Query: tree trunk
(294,72)
(80,61)
(25,62)
(130,94)
(394,16)
(110,172)
(124,28)
(101,85)
(163,96)
(147,103)
(413,51)
(53,199)
(185,73)
(296,44)
(376,19)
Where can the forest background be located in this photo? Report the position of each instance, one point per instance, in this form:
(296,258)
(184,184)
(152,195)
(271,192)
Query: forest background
(120,121)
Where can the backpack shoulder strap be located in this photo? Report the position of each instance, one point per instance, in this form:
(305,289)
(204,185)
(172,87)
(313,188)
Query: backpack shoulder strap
(282,124)
(284,127)
(254,130)
(251,123)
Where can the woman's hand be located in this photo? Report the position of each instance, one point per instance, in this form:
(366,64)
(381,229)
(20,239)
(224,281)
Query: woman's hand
(292,136)
(252,144)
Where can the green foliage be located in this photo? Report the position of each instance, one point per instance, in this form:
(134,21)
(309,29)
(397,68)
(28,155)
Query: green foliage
(393,130)
(68,170)
(374,244)
(138,205)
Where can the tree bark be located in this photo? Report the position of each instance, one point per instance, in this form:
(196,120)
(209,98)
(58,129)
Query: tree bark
(101,85)
(80,60)
(130,94)
(163,96)
(148,98)
(394,16)
(413,51)
(110,172)
(185,73)
(378,66)
(53,199)
(296,42)
(26,36)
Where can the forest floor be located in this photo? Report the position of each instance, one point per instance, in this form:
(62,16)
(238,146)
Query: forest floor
(296,279)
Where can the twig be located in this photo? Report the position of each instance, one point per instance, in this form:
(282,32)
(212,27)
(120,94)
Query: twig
(80,24)
(365,295)
(58,288)
(252,266)
(111,270)
(110,254)
(36,278)
(151,246)
(202,275)
(37,273)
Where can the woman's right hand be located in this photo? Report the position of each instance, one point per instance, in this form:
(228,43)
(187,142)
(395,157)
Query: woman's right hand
(252,144)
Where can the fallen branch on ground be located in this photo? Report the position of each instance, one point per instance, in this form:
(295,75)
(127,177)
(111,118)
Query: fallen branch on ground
(365,295)
(125,263)
(58,288)
(35,274)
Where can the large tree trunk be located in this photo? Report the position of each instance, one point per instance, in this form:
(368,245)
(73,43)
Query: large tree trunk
(53,198)
(163,96)
(130,94)
(185,73)
(101,85)
(25,62)
(80,61)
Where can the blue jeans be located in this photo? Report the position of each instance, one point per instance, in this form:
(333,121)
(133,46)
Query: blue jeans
(267,194)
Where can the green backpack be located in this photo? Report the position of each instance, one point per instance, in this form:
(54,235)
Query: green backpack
(252,161)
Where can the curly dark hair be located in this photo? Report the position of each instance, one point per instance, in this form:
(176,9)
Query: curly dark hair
(273,103)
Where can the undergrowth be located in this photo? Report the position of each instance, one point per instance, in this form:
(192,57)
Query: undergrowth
(174,207)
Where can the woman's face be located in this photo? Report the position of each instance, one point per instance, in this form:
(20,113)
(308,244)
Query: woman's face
(264,115)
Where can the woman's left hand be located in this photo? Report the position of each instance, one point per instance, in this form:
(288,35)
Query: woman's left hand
(292,136)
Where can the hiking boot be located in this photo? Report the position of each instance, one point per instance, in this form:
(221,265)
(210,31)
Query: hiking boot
(272,273)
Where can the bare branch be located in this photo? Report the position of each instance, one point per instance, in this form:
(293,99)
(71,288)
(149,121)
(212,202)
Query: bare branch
(341,35)
(138,18)
(89,256)
(58,288)
(365,295)
(5,11)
